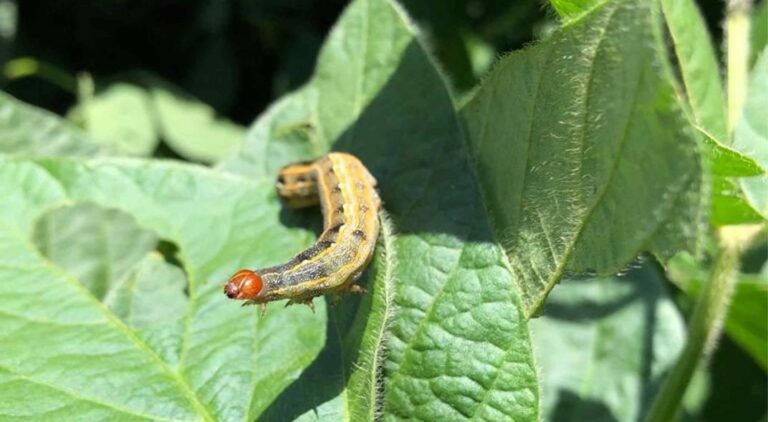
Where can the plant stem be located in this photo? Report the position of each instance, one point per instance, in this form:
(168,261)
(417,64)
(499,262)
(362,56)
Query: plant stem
(24,67)
(737,47)
(703,331)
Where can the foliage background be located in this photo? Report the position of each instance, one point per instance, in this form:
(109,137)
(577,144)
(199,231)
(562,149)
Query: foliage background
(226,61)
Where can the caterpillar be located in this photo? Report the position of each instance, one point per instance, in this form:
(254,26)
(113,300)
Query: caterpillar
(346,192)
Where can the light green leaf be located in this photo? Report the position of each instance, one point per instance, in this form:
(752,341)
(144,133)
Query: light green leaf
(151,299)
(190,127)
(27,130)
(729,205)
(751,135)
(98,247)
(570,9)
(119,117)
(69,355)
(603,345)
(578,176)
(727,162)
(698,65)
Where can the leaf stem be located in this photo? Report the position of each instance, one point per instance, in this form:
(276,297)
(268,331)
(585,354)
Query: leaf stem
(704,329)
(737,24)
(24,67)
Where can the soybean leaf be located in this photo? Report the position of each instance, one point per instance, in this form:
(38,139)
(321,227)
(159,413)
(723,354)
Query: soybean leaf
(191,127)
(66,353)
(698,65)
(96,246)
(569,9)
(119,116)
(729,205)
(576,176)
(27,130)
(603,345)
(751,134)
(727,162)
(705,100)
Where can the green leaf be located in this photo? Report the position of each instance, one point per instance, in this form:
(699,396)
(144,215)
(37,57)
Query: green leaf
(751,135)
(698,65)
(570,9)
(96,246)
(729,205)
(759,35)
(747,319)
(27,130)
(226,367)
(151,299)
(190,127)
(119,116)
(578,176)
(603,345)
(727,162)
(376,94)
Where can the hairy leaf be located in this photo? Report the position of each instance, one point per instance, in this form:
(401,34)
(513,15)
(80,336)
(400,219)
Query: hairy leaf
(576,176)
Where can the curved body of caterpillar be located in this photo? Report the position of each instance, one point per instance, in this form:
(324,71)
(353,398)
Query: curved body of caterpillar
(347,195)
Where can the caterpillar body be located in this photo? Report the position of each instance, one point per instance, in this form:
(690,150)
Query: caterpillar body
(346,192)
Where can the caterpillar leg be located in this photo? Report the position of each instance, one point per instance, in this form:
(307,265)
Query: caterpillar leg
(309,302)
(356,288)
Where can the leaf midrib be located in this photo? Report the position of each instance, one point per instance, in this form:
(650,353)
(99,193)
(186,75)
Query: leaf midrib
(116,322)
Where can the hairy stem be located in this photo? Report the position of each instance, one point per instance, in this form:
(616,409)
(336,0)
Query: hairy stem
(705,326)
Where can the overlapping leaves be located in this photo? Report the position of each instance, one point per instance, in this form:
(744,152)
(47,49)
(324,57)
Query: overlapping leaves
(543,171)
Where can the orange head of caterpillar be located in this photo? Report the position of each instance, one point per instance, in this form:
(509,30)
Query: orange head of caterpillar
(244,285)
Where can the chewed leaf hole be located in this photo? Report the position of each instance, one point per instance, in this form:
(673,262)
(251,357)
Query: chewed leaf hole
(133,272)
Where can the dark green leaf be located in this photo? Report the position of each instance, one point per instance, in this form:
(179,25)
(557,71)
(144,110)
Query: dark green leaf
(603,345)
(576,176)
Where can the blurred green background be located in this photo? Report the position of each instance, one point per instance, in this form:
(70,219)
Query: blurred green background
(220,63)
